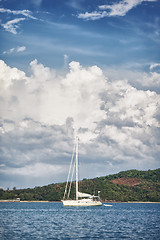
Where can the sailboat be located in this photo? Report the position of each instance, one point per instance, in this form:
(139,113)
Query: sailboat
(82,199)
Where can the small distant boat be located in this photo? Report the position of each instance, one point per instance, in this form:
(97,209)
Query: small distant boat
(107,205)
(82,199)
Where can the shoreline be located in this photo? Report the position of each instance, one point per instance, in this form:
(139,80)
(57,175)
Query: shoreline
(129,202)
(36,201)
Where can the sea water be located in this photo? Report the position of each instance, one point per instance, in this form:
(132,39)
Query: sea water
(27,221)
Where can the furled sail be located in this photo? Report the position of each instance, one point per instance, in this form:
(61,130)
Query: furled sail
(80,194)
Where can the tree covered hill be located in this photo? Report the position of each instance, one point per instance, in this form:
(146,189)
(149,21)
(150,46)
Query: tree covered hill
(131,185)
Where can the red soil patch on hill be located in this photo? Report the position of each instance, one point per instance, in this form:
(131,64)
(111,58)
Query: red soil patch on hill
(127,181)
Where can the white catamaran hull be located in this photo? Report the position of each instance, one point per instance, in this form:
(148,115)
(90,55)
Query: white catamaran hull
(81,203)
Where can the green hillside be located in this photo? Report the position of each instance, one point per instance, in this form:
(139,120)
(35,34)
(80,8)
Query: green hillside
(131,185)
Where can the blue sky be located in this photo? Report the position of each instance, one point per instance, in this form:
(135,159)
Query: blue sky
(52,29)
(85,66)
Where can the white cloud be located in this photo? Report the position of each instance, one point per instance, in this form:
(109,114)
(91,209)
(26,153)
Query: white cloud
(151,79)
(21,49)
(54,99)
(93,15)
(137,107)
(12,25)
(121,8)
(35,170)
(118,124)
(118,9)
(9,76)
(154,65)
(76,95)
(25,13)
(11,50)
(15,50)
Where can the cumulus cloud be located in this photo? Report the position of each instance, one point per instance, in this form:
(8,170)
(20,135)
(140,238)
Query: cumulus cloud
(134,107)
(154,65)
(75,95)
(8,76)
(118,125)
(117,9)
(151,79)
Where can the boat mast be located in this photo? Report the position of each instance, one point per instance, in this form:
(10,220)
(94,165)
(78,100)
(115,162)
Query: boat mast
(76,168)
